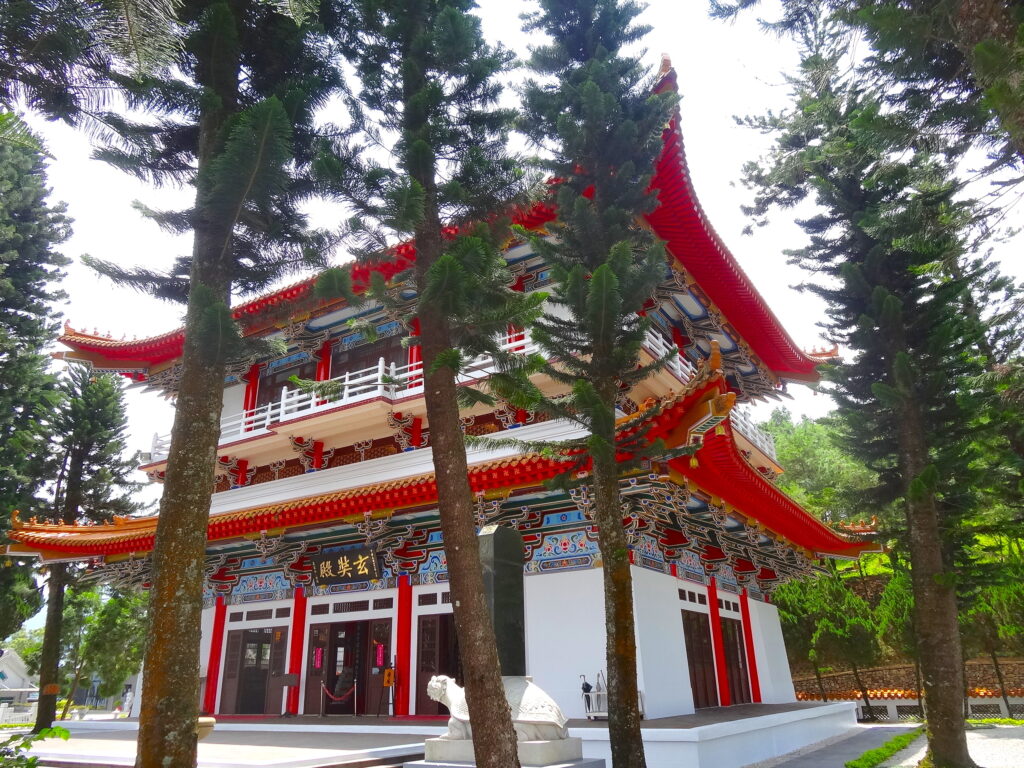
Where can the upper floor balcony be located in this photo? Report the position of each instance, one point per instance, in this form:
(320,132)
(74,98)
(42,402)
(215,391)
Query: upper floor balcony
(397,387)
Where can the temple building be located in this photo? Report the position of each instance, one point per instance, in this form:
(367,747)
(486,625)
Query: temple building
(326,578)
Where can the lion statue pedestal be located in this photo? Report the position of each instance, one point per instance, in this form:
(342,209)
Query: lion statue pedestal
(543,739)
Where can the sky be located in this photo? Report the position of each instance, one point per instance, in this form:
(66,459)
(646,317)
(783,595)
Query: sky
(723,70)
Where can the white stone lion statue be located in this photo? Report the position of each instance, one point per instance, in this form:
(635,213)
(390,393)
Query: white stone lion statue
(535,715)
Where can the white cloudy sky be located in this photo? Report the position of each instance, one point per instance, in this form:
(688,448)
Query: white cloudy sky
(723,70)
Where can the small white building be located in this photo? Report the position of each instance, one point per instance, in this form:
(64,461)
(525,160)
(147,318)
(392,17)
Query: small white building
(17,686)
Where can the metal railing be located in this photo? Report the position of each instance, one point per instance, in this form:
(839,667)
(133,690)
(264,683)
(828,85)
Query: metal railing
(742,421)
(387,381)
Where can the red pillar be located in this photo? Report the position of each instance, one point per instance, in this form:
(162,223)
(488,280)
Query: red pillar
(220,611)
(252,388)
(403,646)
(296,644)
(323,360)
(717,641)
(415,352)
(748,642)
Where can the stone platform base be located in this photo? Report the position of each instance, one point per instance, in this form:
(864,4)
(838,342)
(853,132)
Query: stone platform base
(531,753)
(590,762)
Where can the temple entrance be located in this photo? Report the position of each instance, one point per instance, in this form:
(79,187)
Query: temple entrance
(345,668)
(438,654)
(253,667)
(736,661)
(700,658)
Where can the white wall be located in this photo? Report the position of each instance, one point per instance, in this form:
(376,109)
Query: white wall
(565,635)
(661,646)
(234,398)
(772,665)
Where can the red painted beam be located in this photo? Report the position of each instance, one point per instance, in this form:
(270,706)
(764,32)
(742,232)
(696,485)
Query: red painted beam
(220,610)
(748,643)
(296,643)
(403,646)
(718,642)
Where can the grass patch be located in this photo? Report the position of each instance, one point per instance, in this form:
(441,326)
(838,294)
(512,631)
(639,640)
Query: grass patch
(7,726)
(874,757)
(995,721)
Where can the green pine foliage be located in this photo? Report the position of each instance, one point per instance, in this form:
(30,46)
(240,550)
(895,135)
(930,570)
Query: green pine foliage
(427,88)
(31,231)
(592,110)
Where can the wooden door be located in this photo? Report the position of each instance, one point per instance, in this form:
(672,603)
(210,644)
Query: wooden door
(254,672)
(437,654)
(232,663)
(316,667)
(736,661)
(274,704)
(700,658)
(378,658)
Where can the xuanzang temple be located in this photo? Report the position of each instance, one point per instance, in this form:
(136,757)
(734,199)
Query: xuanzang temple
(325,570)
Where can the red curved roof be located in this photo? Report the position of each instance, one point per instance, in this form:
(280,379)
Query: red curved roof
(679,220)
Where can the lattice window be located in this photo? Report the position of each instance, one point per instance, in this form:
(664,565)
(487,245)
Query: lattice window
(319,610)
(382,603)
(259,615)
(986,710)
(353,607)
(909,712)
(430,598)
(875,713)
(236,616)
(282,613)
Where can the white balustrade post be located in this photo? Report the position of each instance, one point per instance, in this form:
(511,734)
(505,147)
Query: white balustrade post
(382,370)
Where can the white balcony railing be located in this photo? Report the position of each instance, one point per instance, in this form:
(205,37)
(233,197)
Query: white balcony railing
(385,381)
(742,422)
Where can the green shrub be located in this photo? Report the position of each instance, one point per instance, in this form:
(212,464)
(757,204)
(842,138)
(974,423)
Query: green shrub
(12,751)
(874,757)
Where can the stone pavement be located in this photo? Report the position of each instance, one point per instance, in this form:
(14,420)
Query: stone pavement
(834,753)
(99,748)
(997,747)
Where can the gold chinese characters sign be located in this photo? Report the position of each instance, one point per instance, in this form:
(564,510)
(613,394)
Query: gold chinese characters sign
(345,566)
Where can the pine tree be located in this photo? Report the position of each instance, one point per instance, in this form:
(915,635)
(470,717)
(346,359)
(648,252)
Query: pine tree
(955,65)
(427,77)
(91,479)
(595,111)
(883,245)
(234,118)
(31,229)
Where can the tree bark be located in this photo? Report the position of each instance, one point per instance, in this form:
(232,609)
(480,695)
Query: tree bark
(1002,682)
(494,739)
(935,608)
(627,745)
(863,692)
(821,684)
(917,681)
(49,657)
(170,688)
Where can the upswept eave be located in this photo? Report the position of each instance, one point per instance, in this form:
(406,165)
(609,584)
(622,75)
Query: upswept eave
(679,220)
(734,481)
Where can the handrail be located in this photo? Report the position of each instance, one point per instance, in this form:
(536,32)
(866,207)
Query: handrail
(389,381)
(744,423)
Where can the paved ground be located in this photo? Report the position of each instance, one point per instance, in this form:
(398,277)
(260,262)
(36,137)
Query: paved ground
(998,747)
(238,749)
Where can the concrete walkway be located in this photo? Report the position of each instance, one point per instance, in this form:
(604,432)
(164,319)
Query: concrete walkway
(836,752)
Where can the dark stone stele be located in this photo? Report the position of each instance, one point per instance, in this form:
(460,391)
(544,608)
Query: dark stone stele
(501,556)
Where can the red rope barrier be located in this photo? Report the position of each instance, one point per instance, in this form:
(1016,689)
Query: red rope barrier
(343,696)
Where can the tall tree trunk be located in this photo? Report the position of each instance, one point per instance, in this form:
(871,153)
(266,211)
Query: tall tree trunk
(67,506)
(170,687)
(49,657)
(863,692)
(917,681)
(821,683)
(627,745)
(935,608)
(79,666)
(494,740)
(1002,682)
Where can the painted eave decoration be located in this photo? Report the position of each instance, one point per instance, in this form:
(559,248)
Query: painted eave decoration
(679,220)
(717,468)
